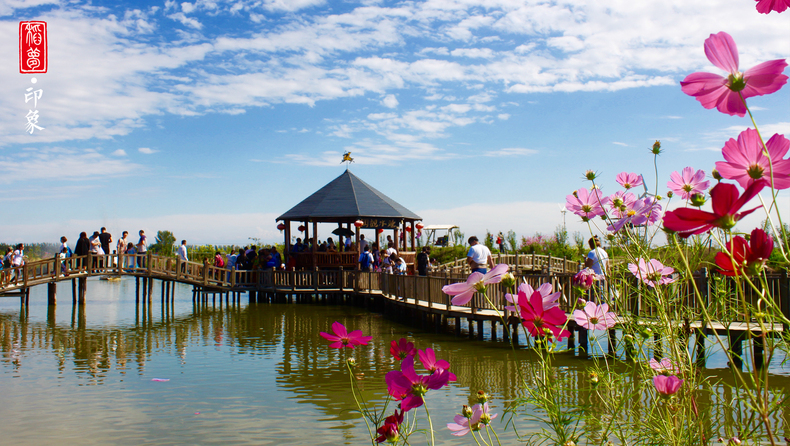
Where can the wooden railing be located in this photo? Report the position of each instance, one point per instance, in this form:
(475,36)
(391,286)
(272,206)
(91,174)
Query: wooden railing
(519,264)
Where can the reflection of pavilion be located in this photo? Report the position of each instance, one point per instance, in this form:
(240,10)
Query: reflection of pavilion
(348,201)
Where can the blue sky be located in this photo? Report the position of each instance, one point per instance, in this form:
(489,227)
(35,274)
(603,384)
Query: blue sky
(211,118)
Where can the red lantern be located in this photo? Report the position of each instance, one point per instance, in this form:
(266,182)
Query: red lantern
(419,226)
(301,228)
(408,228)
(281,226)
(379,231)
(359,223)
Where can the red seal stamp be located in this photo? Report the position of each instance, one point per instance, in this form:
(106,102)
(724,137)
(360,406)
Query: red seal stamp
(33,47)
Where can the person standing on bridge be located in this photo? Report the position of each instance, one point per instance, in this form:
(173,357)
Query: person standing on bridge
(598,260)
(82,248)
(182,254)
(120,248)
(479,256)
(142,248)
(105,238)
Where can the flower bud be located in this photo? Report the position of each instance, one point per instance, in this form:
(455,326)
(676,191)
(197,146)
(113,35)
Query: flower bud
(576,194)
(480,286)
(569,443)
(593,378)
(698,200)
(466,411)
(610,236)
(670,194)
(508,280)
(485,418)
(351,362)
(734,440)
(659,198)
(590,175)
(656,150)
(716,175)
(482,397)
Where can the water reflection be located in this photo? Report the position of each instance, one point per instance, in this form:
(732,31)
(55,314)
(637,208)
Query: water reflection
(260,369)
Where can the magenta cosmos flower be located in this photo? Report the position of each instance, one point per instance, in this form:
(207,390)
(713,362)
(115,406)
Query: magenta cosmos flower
(688,182)
(342,338)
(667,385)
(432,365)
(766,6)
(463,425)
(644,211)
(726,202)
(525,291)
(595,317)
(402,348)
(628,180)
(712,90)
(389,430)
(746,162)
(463,291)
(652,272)
(747,257)
(409,388)
(585,278)
(536,318)
(585,204)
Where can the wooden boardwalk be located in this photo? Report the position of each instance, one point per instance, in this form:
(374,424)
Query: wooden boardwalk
(414,299)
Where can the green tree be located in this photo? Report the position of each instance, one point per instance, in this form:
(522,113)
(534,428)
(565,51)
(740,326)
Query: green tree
(165,240)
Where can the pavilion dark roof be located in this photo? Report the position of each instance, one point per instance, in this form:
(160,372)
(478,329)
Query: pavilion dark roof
(347,198)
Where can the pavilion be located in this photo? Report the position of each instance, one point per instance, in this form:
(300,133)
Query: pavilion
(349,201)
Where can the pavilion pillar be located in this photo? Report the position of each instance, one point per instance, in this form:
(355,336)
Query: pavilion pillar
(396,239)
(315,241)
(287,244)
(412,235)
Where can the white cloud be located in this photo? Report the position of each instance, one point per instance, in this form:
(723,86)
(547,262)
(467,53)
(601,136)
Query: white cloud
(187,7)
(119,152)
(503,116)
(390,101)
(186,21)
(620,144)
(515,151)
(62,164)
(146,150)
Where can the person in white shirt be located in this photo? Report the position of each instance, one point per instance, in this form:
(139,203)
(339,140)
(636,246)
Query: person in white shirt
(598,260)
(479,256)
(182,251)
(362,243)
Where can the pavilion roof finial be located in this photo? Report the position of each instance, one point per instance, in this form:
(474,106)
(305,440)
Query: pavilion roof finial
(347,159)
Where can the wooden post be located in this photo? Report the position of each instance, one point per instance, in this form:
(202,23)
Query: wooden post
(735,339)
(52,291)
(699,342)
(493,330)
(83,286)
(612,342)
(479,329)
(584,343)
(73,291)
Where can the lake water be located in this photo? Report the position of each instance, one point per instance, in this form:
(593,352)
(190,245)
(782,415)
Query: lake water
(237,374)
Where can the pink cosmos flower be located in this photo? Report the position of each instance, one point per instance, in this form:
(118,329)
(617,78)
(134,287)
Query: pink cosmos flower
(726,203)
(664,367)
(747,257)
(652,272)
(766,6)
(585,278)
(645,211)
(402,348)
(389,430)
(619,203)
(712,90)
(525,291)
(462,425)
(746,162)
(342,338)
(428,360)
(667,385)
(409,388)
(628,180)
(595,317)
(463,291)
(536,318)
(688,183)
(585,204)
